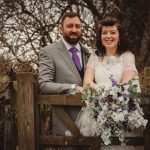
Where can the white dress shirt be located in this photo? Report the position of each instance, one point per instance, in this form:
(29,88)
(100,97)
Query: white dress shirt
(77,46)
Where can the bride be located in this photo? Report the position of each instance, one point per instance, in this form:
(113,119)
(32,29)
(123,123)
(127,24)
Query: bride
(112,58)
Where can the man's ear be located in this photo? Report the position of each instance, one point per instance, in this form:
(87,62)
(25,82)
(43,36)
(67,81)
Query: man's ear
(60,29)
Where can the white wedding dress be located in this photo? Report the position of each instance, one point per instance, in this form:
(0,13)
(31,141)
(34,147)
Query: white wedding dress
(104,68)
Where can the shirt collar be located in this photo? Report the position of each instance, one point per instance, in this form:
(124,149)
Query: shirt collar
(68,46)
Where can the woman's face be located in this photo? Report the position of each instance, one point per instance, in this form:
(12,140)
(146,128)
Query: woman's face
(110,37)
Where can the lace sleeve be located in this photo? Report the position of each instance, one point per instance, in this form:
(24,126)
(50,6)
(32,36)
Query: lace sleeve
(129,61)
(91,61)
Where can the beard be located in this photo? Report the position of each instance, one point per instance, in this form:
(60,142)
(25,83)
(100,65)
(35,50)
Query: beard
(72,40)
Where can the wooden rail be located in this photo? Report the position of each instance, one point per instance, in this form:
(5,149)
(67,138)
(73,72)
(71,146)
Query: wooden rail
(32,107)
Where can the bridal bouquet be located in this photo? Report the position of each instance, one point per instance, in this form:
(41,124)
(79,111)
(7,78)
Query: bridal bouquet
(114,111)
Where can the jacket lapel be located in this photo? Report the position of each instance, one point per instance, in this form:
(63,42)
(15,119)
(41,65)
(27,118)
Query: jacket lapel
(66,57)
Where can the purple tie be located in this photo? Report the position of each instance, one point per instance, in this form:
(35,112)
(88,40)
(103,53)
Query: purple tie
(75,58)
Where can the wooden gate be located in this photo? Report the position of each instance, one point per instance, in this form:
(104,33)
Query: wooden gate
(34,119)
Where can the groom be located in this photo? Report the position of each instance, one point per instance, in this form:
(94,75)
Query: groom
(62,64)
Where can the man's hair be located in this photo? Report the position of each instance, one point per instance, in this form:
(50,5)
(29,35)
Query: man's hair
(70,15)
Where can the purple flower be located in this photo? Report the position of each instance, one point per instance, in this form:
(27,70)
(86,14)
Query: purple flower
(113,81)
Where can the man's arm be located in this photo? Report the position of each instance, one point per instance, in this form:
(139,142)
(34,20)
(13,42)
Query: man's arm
(47,75)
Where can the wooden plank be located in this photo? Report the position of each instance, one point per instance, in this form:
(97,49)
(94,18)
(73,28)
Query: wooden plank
(25,111)
(66,140)
(46,122)
(67,100)
(96,145)
(65,118)
(37,115)
(10,138)
(87,141)
(72,100)
(147,141)
(147,72)
(147,137)
(8,130)
(132,141)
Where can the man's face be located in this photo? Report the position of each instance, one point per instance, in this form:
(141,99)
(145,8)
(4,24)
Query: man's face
(71,30)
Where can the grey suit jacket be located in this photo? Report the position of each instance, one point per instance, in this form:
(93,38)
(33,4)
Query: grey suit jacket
(57,71)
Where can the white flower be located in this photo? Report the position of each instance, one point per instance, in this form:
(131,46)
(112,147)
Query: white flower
(121,98)
(118,116)
(105,107)
(125,112)
(105,136)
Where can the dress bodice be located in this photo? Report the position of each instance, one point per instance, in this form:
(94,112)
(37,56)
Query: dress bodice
(104,69)
(111,66)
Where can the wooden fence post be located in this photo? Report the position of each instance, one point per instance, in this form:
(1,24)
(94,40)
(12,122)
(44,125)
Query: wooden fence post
(10,138)
(147,89)
(25,111)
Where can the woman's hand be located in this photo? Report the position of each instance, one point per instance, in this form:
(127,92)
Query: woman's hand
(79,88)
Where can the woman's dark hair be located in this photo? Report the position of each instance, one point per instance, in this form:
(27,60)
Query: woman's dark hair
(123,42)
